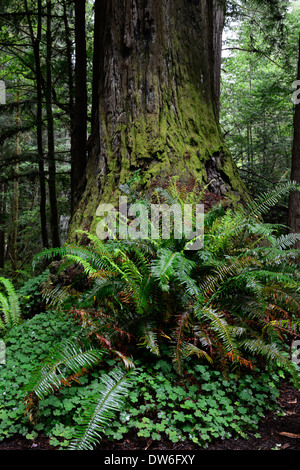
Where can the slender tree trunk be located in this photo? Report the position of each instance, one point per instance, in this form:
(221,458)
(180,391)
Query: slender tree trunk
(36,41)
(42,181)
(54,218)
(13,252)
(294,202)
(154,101)
(80,111)
(69,54)
(14,229)
(2,224)
(2,207)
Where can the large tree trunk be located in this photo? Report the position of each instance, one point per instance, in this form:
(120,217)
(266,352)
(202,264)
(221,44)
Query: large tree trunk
(294,203)
(154,101)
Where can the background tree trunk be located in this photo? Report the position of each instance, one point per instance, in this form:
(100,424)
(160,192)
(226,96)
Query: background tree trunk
(13,247)
(36,41)
(294,202)
(154,101)
(71,88)
(219,18)
(54,217)
(2,224)
(3,189)
(79,131)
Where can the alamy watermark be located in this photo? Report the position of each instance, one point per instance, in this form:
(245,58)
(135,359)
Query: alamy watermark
(296,94)
(2,92)
(138,221)
(296,352)
(2,353)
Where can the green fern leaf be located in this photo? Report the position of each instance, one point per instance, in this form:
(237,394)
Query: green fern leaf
(115,386)
(10,304)
(192,350)
(68,357)
(263,203)
(222,273)
(285,241)
(4,307)
(219,325)
(163,267)
(148,337)
(272,354)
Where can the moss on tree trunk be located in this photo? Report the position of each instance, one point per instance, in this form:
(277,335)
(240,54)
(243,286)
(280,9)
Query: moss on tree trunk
(154,104)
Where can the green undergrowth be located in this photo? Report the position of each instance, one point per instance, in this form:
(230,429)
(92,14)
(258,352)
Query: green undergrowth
(170,343)
(26,346)
(200,406)
(204,405)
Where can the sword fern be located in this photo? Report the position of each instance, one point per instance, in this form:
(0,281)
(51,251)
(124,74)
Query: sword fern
(114,387)
(64,364)
(9,305)
(243,278)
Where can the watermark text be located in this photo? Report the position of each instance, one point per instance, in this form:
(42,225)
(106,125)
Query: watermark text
(2,353)
(296,94)
(139,221)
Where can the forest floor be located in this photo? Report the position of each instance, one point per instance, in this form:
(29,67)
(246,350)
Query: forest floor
(277,432)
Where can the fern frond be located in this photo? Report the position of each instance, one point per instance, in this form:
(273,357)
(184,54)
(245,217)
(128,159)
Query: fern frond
(55,295)
(140,260)
(263,203)
(162,267)
(89,270)
(285,241)
(268,276)
(128,362)
(228,269)
(219,325)
(10,304)
(189,349)
(183,273)
(130,270)
(115,387)
(147,247)
(283,298)
(69,356)
(290,326)
(183,324)
(4,307)
(80,255)
(251,283)
(166,196)
(272,354)
(273,255)
(215,213)
(243,220)
(148,337)
(47,254)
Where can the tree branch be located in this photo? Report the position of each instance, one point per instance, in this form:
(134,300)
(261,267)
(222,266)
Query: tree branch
(253,51)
